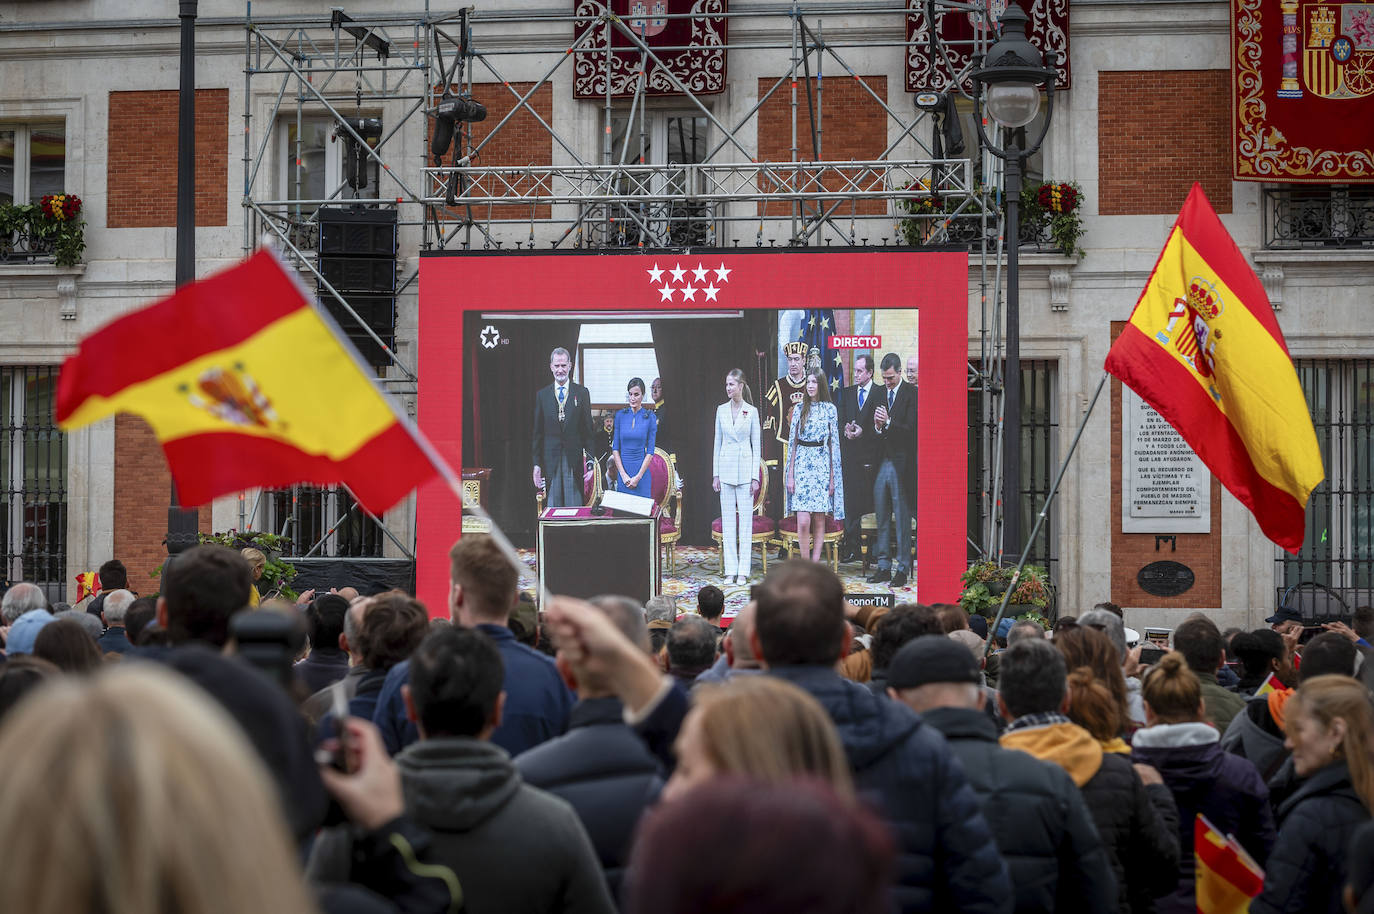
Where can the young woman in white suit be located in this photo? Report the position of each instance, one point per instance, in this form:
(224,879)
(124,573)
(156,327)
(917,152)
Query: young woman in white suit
(735,469)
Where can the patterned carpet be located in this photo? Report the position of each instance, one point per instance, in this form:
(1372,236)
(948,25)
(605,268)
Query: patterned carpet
(698,567)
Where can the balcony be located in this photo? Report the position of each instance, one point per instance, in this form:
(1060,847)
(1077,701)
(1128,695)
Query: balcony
(1336,216)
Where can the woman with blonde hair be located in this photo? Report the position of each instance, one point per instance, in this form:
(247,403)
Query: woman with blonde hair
(1179,742)
(1330,728)
(257,561)
(762,728)
(735,462)
(130,792)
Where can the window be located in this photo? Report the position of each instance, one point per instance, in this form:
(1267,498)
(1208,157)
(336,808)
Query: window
(33,481)
(1338,542)
(662,138)
(33,161)
(324,522)
(318,167)
(609,354)
(1039,461)
(1338,215)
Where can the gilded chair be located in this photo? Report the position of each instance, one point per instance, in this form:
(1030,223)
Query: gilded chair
(666,491)
(830,544)
(591,487)
(764,528)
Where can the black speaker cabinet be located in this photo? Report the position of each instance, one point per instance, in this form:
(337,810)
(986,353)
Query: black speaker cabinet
(587,556)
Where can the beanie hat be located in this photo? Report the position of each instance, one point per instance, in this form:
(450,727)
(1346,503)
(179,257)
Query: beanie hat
(25,630)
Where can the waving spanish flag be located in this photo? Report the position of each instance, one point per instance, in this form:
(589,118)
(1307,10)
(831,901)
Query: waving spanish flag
(1203,348)
(1226,876)
(246,385)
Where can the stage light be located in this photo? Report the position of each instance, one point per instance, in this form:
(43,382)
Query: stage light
(447,115)
(1011,73)
(355,158)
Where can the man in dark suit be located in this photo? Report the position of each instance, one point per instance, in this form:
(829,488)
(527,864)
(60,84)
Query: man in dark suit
(562,433)
(858,451)
(894,423)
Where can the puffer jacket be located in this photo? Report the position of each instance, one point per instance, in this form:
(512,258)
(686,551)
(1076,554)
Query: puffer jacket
(605,771)
(1037,816)
(1203,779)
(947,859)
(1137,823)
(1307,867)
(1252,734)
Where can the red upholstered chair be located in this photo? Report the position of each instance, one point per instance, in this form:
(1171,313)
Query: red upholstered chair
(764,528)
(830,546)
(591,487)
(666,491)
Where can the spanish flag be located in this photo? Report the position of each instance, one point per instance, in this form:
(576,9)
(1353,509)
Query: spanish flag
(1227,877)
(87,585)
(1203,348)
(246,385)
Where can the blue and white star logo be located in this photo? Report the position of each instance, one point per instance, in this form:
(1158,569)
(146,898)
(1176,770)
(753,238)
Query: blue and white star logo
(490,337)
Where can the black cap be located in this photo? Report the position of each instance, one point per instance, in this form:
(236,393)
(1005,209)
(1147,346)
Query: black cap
(932,658)
(1284,614)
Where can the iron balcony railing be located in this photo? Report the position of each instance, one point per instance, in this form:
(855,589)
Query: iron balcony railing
(1337,216)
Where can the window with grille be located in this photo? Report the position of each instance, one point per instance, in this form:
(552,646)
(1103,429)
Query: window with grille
(33,466)
(324,522)
(1336,563)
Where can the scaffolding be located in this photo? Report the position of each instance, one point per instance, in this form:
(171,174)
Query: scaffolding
(349,69)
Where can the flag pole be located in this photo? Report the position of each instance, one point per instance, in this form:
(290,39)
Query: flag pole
(1040,518)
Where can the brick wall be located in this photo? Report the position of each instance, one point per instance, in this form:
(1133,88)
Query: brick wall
(141,176)
(1132,551)
(853,126)
(521,141)
(1158,132)
(142,489)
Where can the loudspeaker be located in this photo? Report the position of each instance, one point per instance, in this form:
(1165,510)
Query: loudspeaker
(357,256)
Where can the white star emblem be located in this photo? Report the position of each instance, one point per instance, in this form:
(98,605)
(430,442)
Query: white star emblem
(834,383)
(700,273)
(689,293)
(825,323)
(655,274)
(490,337)
(677,272)
(723,274)
(666,293)
(837,359)
(710,291)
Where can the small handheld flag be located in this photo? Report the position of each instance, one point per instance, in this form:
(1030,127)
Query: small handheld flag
(246,385)
(1227,877)
(1204,349)
(87,585)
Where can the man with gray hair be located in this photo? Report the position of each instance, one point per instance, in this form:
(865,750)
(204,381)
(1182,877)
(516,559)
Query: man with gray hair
(600,766)
(737,654)
(1111,625)
(115,639)
(691,649)
(562,434)
(661,612)
(1024,629)
(21,598)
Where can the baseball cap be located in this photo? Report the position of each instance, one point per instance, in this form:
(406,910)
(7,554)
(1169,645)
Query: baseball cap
(25,630)
(1284,614)
(931,658)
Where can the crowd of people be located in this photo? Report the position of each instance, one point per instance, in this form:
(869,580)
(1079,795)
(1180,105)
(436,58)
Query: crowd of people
(356,753)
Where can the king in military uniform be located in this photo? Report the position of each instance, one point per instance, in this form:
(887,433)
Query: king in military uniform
(782,398)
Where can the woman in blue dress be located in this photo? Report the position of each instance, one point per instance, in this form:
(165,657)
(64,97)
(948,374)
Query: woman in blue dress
(632,443)
(815,486)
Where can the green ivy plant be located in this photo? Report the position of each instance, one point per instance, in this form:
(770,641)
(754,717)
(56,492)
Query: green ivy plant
(278,573)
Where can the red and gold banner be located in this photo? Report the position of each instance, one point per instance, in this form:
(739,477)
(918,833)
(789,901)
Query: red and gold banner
(245,385)
(957,29)
(1302,83)
(1204,349)
(686,36)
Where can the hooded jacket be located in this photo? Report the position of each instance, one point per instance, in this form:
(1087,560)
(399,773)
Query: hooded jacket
(515,849)
(1203,779)
(1137,823)
(1253,735)
(947,859)
(605,771)
(1307,867)
(1037,816)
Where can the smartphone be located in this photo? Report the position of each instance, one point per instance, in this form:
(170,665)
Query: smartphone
(338,756)
(1150,655)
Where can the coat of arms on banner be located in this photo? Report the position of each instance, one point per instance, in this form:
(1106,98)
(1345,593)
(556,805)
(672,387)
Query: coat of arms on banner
(960,30)
(1337,51)
(1302,75)
(641,12)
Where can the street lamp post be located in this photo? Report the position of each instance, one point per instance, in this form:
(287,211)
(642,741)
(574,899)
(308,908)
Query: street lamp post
(1011,75)
(183,524)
